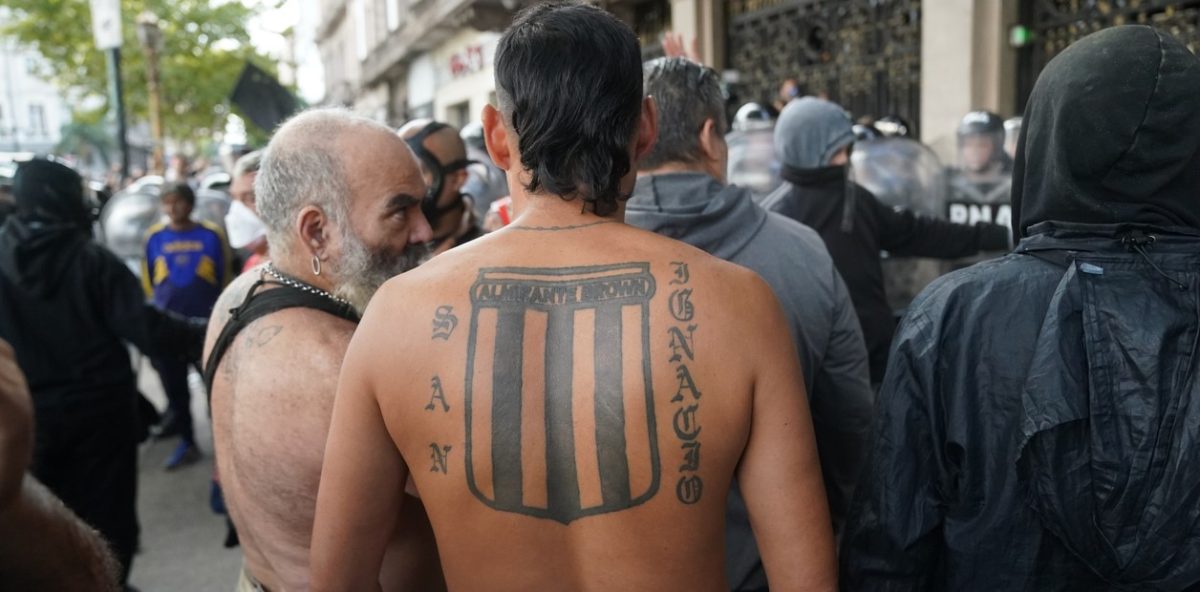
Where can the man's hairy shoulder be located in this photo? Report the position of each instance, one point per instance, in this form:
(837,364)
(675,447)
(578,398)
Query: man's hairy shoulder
(298,334)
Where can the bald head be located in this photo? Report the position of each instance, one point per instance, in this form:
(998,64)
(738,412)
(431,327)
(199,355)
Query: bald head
(445,144)
(315,159)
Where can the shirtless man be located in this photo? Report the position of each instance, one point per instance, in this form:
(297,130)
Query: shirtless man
(45,546)
(573,396)
(340,196)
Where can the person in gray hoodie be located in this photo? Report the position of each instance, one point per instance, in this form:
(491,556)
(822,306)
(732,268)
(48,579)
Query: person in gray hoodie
(813,139)
(681,193)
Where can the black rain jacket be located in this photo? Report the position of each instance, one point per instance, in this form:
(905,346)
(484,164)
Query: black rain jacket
(1039,424)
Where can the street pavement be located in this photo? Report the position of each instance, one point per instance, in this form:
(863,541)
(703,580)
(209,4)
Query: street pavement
(181,537)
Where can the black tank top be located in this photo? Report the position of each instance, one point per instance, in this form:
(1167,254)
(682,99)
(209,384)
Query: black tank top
(258,305)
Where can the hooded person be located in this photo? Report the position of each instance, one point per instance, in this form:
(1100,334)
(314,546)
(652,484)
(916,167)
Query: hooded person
(70,306)
(813,140)
(1038,426)
(681,193)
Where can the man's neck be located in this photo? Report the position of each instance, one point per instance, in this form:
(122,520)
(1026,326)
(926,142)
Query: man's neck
(182,226)
(552,211)
(673,167)
(299,266)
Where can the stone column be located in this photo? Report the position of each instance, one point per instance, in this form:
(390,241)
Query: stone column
(966,65)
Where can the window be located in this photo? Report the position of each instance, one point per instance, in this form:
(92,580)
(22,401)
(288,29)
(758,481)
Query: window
(31,65)
(392,9)
(37,121)
(360,29)
(460,114)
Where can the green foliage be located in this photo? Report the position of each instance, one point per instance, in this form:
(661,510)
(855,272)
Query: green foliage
(84,138)
(204,48)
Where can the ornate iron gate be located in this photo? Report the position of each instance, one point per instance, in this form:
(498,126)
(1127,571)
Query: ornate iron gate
(864,54)
(1055,24)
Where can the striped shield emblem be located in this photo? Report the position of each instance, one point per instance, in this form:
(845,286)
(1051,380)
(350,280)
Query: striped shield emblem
(547,353)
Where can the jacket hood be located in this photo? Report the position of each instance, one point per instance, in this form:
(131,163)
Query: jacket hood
(35,256)
(810,131)
(696,209)
(1112,135)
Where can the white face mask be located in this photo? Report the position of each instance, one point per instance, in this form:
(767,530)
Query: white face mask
(243,226)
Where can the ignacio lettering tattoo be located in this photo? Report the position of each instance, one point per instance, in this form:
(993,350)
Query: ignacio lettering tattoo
(444,322)
(681,305)
(686,422)
(438,395)
(688,489)
(438,456)
(680,270)
(610,306)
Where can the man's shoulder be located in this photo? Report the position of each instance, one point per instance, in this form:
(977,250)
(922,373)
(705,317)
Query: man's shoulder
(981,287)
(306,321)
(157,229)
(211,229)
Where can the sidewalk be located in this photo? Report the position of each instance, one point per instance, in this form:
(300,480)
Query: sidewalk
(181,538)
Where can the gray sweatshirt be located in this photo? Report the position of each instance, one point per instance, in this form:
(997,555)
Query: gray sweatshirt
(791,258)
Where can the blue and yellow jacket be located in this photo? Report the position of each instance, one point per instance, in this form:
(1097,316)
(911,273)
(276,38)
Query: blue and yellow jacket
(185,271)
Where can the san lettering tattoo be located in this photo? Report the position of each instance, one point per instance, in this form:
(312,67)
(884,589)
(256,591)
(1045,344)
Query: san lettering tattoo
(439,456)
(444,322)
(438,398)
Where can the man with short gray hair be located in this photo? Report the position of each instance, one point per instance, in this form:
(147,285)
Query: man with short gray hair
(340,197)
(681,193)
(247,233)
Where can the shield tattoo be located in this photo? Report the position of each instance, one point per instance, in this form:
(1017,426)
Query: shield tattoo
(526,396)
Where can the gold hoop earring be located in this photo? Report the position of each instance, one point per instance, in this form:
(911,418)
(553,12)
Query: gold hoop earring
(316,265)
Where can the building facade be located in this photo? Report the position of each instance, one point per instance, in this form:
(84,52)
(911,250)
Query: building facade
(927,61)
(32,110)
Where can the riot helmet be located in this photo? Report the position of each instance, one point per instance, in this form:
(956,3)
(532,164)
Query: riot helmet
(752,116)
(893,126)
(981,143)
(864,132)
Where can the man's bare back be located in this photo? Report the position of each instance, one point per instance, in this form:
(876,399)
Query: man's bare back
(272,397)
(572,405)
(573,396)
(340,196)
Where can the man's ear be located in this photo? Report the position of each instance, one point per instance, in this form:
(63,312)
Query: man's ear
(709,137)
(314,230)
(647,131)
(496,136)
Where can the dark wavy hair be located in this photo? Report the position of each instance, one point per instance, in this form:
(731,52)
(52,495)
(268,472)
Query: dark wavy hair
(569,84)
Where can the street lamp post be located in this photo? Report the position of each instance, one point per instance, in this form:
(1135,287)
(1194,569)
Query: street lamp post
(150,36)
(106,26)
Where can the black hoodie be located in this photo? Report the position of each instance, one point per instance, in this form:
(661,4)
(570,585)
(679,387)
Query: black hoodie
(67,306)
(1039,423)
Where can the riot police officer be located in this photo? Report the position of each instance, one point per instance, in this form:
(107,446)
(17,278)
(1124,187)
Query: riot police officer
(980,188)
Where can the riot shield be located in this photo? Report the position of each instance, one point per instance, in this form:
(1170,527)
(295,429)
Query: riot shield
(903,173)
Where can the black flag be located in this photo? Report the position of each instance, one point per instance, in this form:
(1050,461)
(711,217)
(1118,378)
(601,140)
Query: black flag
(262,99)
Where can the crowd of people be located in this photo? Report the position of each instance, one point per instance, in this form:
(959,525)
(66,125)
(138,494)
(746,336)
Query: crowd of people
(561,350)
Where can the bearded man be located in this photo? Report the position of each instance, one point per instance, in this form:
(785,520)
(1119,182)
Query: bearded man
(341,198)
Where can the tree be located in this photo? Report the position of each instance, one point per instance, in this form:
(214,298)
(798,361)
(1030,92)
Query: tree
(205,46)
